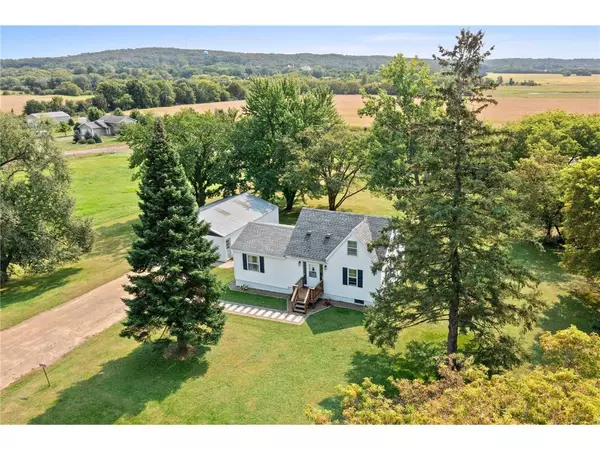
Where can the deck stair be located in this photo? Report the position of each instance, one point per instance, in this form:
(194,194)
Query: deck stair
(303,296)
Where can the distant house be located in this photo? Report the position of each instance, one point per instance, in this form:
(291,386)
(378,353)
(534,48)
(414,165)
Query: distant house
(105,126)
(327,254)
(228,218)
(58,116)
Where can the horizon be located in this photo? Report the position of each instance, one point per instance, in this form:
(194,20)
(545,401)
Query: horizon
(535,42)
(273,53)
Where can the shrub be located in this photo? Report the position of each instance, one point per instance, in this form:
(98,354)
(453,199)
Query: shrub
(90,141)
(81,141)
(97,139)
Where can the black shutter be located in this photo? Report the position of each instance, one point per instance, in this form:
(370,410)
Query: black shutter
(244,261)
(344,275)
(360,278)
(262,264)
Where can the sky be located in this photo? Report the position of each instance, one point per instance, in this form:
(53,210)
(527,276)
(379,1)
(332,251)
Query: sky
(421,41)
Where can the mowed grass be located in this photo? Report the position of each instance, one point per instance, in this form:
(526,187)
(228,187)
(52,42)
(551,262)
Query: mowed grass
(226,276)
(104,191)
(66,144)
(261,372)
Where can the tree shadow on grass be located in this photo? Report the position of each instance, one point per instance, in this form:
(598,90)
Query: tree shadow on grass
(571,309)
(114,240)
(544,263)
(419,361)
(334,319)
(30,287)
(122,388)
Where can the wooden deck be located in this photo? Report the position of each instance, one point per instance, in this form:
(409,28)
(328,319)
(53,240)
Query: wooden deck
(304,296)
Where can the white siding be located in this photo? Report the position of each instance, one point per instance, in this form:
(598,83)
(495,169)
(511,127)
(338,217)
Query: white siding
(232,238)
(332,276)
(220,243)
(279,276)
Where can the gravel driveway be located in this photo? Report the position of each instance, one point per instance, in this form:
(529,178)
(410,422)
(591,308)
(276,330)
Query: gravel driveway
(49,335)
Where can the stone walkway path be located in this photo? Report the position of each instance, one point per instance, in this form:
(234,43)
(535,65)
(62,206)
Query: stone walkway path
(257,312)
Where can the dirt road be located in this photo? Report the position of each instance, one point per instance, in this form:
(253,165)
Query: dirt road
(49,335)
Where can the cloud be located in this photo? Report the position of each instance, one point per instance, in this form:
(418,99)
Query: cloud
(405,36)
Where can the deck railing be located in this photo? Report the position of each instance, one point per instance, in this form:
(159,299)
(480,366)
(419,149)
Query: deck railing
(296,288)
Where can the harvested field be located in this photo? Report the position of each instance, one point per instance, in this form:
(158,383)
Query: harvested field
(347,106)
(17,102)
(200,107)
(513,108)
(507,109)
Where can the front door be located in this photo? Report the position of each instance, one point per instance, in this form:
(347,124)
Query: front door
(313,274)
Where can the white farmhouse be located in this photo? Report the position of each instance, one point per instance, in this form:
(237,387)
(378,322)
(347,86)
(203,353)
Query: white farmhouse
(325,255)
(228,217)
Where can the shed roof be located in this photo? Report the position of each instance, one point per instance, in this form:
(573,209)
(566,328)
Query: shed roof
(232,213)
(268,239)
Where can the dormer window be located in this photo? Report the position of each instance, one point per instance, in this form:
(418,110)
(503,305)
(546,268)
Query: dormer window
(352,248)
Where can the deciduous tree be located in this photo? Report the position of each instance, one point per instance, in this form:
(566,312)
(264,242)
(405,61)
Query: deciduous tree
(279,124)
(564,390)
(63,127)
(581,184)
(339,158)
(39,227)
(401,125)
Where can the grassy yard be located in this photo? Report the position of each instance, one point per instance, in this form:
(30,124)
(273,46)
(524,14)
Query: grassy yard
(66,144)
(104,191)
(247,298)
(261,372)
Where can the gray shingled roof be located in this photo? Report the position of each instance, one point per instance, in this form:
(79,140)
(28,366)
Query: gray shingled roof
(92,125)
(264,239)
(338,225)
(112,120)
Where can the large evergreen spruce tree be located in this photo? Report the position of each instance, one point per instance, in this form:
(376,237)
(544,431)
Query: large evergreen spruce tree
(457,227)
(173,289)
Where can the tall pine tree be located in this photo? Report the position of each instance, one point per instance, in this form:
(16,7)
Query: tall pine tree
(457,226)
(173,289)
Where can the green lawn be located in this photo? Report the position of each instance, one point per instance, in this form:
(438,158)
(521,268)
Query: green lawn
(67,143)
(261,372)
(226,276)
(104,191)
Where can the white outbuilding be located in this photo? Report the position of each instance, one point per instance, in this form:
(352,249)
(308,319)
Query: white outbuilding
(228,217)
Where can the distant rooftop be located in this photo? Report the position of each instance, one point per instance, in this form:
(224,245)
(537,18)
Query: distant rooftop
(52,114)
